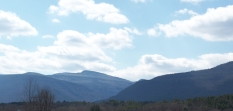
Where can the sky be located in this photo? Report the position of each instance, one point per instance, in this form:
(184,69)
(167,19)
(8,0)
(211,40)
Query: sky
(131,39)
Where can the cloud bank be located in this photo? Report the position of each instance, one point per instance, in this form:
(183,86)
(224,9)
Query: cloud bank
(77,56)
(72,51)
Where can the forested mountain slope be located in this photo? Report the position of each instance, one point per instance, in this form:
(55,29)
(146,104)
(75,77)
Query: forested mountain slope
(104,85)
(85,86)
(209,82)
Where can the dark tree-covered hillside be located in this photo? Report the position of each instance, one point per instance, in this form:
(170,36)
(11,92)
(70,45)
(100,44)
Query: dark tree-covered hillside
(210,82)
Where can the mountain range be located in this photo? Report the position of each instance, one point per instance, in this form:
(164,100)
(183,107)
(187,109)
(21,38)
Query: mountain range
(85,86)
(93,86)
(209,82)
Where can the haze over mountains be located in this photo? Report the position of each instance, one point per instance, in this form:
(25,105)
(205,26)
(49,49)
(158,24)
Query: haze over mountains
(209,82)
(84,86)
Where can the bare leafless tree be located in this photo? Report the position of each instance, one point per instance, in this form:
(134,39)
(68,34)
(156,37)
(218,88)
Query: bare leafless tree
(30,94)
(45,99)
(36,98)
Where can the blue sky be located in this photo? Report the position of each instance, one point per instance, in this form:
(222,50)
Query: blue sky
(131,39)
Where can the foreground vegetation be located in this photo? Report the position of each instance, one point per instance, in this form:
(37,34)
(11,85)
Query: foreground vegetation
(220,103)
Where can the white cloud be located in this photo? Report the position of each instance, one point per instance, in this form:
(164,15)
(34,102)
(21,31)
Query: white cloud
(11,25)
(214,25)
(150,66)
(137,1)
(77,56)
(53,59)
(74,45)
(116,38)
(101,12)
(55,20)
(186,11)
(153,32)
(8,48)
(133,31)
(72,51)
(13,59)
(192,1)
(74,58)
(47,36)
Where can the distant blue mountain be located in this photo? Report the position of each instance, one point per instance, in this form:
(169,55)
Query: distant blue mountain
(209,82)
(104,86)
(85,86)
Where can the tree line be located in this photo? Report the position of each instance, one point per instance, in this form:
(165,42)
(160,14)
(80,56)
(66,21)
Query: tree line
(212,103)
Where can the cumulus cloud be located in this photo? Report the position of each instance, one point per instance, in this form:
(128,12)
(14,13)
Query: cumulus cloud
(75,57)
(72,51)
(150,66)
(11,25)
(8,48)
(53,59)
(84,50)
(98,11)
(74,45)
(186,11)
(116,38)
(192,1)
(214,25)
(13,60)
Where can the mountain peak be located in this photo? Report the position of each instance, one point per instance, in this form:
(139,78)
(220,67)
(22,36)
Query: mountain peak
(88,71)
(32,73)
(93,74)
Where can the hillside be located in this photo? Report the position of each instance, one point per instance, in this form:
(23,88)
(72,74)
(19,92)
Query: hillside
(209,82)
(11,86)
(103,85)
